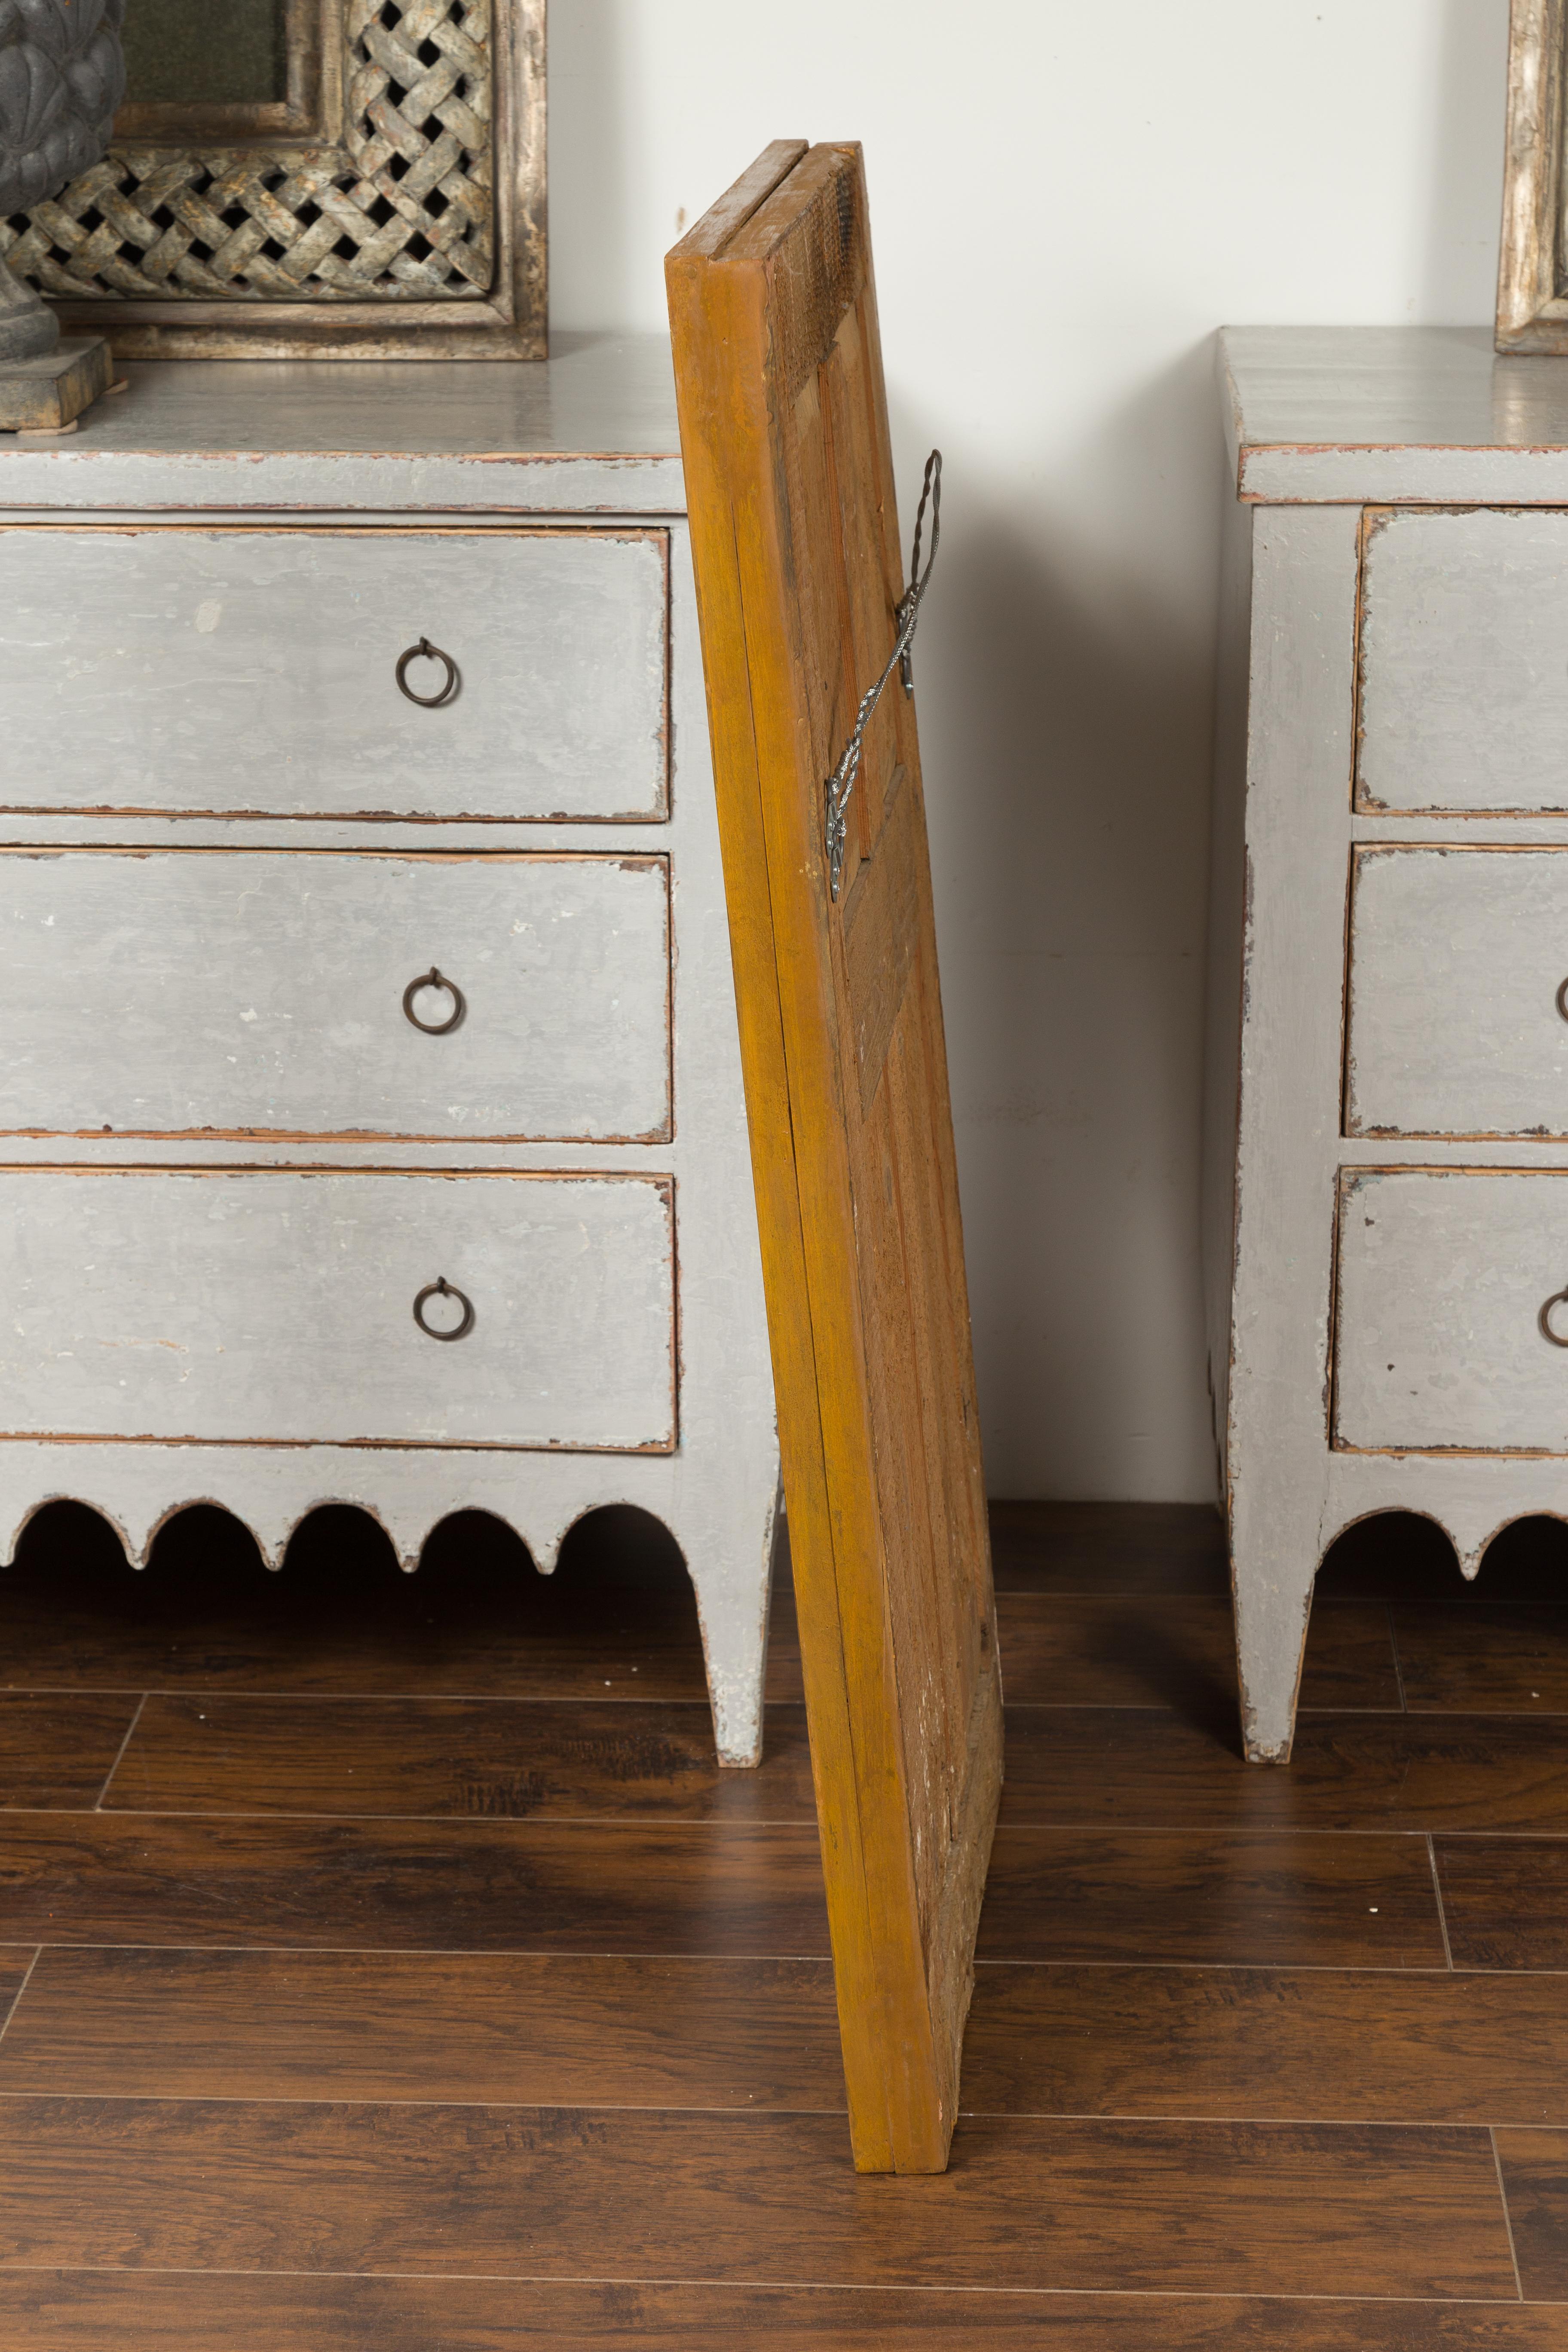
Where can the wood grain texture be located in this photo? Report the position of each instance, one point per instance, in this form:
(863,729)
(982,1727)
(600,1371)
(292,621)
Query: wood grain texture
(799,568)
(547,2193)
(58,1749)
(617,1618)
(1248,1898)
(1351,1772)
(1534,2169)
(786,1684)
(1182,2030)
(577,2029)
(441,1887)
(881,934)
(82,2311)
(1505,1901)
(1484,1661)
(500,1759)
(1097,1550)
(14,1964)
(1117,1650)
(1362,2046)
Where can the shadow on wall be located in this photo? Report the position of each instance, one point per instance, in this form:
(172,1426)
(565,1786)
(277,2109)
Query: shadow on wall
(594,112)
(1458,278)
(1065,711)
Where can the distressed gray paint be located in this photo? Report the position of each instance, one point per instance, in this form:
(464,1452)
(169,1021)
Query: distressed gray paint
(592,430)
(1227,902)
(1442,1280)
(1450,965)
(254,1308)
(1296,820)
(1457,958)
(255,669)
(1464,683)
(589,435)
(249,990)
(1391,415)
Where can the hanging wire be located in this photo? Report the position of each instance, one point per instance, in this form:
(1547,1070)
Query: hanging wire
(841,783)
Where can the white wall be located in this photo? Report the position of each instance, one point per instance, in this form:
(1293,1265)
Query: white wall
(1067,198)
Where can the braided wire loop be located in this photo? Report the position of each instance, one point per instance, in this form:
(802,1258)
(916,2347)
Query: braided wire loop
(841,783)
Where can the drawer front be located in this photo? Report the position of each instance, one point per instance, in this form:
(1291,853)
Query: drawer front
(1464,660)
(1458,958)
(1442,1279)
(187,671)
(225,991)
(278,1307)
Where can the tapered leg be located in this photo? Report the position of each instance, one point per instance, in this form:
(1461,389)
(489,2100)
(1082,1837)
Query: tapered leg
(730,1557)
(1272,1571)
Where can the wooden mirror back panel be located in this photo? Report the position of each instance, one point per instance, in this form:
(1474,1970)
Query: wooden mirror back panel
(799,576)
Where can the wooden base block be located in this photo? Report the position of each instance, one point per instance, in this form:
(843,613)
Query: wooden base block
(47,395)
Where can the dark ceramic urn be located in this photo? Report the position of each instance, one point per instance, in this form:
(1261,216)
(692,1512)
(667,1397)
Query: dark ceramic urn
(62,75)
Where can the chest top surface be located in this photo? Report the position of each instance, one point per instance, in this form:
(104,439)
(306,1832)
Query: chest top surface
(1392,415)
(592,430)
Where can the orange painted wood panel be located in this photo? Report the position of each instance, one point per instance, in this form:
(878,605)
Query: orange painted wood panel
(799,576)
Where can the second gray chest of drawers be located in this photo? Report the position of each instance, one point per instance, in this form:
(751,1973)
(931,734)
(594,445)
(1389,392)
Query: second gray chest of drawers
(371,1122)
(1386,1186)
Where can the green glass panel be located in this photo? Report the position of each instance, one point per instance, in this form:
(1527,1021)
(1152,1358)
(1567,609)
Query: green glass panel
(205,52)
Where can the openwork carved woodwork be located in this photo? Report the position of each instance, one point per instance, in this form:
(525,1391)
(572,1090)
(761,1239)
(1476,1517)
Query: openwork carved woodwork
(423,186)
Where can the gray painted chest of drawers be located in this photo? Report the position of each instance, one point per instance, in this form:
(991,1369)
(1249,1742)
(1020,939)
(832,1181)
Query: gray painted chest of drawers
(244,1132)
(1387,1178)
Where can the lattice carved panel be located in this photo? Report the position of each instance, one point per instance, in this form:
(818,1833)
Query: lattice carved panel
(400,208)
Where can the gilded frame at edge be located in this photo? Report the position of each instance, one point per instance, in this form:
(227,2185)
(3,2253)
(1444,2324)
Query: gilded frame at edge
(1532,268)
(503,319)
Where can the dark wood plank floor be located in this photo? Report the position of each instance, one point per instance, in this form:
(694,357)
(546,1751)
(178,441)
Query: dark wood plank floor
(386,1966)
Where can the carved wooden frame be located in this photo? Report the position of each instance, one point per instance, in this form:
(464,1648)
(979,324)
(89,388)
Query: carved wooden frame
(1532,269)
(392,208)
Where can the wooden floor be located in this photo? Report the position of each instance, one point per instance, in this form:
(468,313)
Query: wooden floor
(387,1965)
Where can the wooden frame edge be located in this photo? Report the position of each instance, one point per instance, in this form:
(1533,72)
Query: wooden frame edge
(712,315)
(902,1992)
(1530,317)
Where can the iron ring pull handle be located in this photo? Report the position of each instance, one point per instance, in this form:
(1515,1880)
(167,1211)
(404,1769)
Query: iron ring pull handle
(1558,1298)
(434,979)
(442,1288)
(426,651)
(1562,1000)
